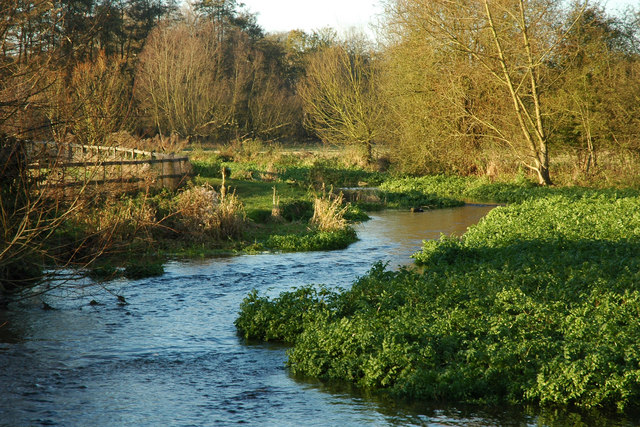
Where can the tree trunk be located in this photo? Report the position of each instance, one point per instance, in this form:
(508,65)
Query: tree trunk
(531,127)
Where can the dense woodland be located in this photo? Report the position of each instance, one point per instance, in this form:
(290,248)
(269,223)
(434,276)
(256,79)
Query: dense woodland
(483,87)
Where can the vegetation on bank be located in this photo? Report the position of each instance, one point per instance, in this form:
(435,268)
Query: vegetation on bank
(538,303)
(205,219)
(486,190)
(246,209)
(162,78)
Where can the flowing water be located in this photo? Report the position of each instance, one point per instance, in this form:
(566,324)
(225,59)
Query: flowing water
(171,356)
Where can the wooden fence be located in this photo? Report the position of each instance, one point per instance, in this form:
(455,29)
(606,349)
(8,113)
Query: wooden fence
(70,167)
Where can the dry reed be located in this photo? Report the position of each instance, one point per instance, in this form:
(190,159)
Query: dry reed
(202,211)
(328,212)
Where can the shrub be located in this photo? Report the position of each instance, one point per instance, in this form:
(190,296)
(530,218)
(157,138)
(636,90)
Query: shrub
(328,213)
(210,167)
(312,241)
(280,319)
(297,210)
(142,269)
(231,216)
(197,208)
(202,212)
(355,213)
(120,219)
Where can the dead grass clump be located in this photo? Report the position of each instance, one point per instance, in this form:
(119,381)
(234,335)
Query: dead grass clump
(328,212)
(204,212)
(120,219)
(232,217)
(197,208)
(276,212)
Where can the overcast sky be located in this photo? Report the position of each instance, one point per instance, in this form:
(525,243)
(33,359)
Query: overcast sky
(285,15)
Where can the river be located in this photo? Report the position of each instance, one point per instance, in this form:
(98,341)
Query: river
(171,356)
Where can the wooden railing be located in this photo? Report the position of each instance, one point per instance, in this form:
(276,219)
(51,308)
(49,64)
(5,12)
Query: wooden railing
(104,169)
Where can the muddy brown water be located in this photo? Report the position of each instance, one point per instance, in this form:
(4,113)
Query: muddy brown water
(171,356)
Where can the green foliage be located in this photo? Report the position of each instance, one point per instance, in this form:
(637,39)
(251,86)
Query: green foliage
(443,185)
(280,319)
(297,210)
(538,303)
(414,198)
(210,167)
(355,213)
(20,273)
(314,240)
(329,172)
(103,271)
(142,269)
(484,190)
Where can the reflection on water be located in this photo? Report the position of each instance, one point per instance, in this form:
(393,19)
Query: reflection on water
(172,357)
(402,232)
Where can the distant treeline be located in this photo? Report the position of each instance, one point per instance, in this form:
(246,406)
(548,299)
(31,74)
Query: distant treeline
(483,87)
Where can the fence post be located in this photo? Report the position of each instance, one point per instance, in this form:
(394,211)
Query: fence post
(172,171)
(162,173)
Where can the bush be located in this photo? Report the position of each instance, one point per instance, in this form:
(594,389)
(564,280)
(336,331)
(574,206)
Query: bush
(23,271)
(312,241)
(355,213)
(329,172)
(123,218)
(202,212)
(283,318)
(140,270)
(297,210)
(210,167)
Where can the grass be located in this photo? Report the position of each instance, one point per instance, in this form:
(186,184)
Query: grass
(202,220)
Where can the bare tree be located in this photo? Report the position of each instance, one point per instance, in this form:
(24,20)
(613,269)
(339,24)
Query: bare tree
(181,80)
(27,53)
(511,41)
(340,98)
(33,210)
(595,107)
(273,109)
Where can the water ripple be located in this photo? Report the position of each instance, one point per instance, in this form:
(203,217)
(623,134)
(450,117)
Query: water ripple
(172,356)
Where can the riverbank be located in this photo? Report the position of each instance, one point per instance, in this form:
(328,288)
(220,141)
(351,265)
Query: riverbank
(278,203)
(174,341)
(537,304)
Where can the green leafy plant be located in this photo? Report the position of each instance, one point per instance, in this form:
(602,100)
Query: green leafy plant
(538,303)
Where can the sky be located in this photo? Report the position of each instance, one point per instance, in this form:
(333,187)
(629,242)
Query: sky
(286,15)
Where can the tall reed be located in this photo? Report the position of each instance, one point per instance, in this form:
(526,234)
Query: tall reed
(328,212)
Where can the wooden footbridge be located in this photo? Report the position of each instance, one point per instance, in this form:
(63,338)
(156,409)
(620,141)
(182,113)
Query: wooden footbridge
(68,168)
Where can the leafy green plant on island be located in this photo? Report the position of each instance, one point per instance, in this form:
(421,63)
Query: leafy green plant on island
(328,228)
(538,303)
